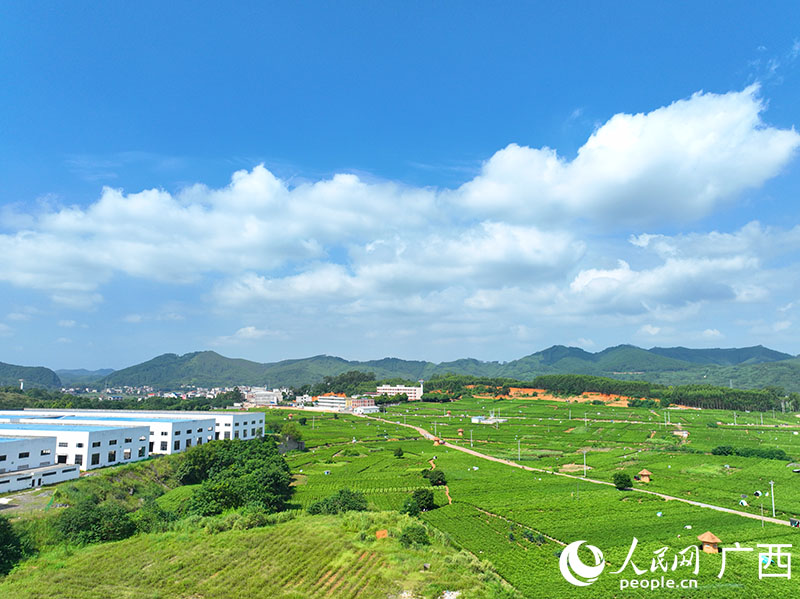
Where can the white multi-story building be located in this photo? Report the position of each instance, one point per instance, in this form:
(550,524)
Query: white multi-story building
(27,462)
(333,402)
(413,393)
(87,446)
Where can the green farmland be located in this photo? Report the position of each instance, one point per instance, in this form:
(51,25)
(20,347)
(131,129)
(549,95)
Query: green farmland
(520,520)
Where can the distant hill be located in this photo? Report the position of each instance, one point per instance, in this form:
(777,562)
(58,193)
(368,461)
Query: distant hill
(723,357)
(81,376)
(745,368)
(34,376)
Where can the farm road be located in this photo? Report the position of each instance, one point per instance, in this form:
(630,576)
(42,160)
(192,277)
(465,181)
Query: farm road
(427,435)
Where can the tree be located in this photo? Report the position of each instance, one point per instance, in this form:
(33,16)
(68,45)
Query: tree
(436,477)
(622,481)
(291,431)
(410,507)
(302,421)
(10,548)
(423,499)
(414,534)
(398,453)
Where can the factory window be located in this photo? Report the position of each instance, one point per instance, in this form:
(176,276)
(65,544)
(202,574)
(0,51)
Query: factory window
(227,435)
(96,444)
(79,459)
(236,434)
(163,446)
(189,431)
(61,459)
(200,430)
(95,459)
(141,451)
(45,452)
(177,433)
(78,445)
(176,445)
(24,454)
(164,433)
(126,455)
(143,438)
(2,458)
(128,440)
(63,444)
(188,443)
(112,442)
(112,456)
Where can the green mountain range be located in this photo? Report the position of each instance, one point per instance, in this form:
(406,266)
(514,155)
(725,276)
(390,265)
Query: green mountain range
(751,367)
(744,368)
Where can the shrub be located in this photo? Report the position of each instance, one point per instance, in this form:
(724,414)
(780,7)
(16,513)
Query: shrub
(414,534)
(151,517)
(10,547)
(622,481)
(88,522)
(398,453)
(344,500)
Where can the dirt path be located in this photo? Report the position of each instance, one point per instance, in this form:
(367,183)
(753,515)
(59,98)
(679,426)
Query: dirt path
(483,456)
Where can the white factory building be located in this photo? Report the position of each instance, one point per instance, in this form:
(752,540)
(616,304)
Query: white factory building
(27,462)
(87,446)
(167,435)
(227,424)
(39,447)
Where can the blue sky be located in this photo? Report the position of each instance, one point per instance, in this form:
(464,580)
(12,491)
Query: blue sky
(412,179)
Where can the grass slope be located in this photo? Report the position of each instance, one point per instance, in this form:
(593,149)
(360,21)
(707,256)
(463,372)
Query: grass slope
(320,556)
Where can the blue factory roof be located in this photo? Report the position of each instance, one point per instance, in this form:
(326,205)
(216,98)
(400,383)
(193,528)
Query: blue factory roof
(110,418)
(8,426)
(4,439)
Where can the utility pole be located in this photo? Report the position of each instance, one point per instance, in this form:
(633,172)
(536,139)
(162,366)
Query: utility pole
(470,437)
(585,420)
(584,464)
(518,454)
(762,418)
(772,496)
(762,514)
(734,419)
(312,422)
(578,489)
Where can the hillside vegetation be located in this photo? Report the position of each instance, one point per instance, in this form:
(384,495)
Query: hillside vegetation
(34,376)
